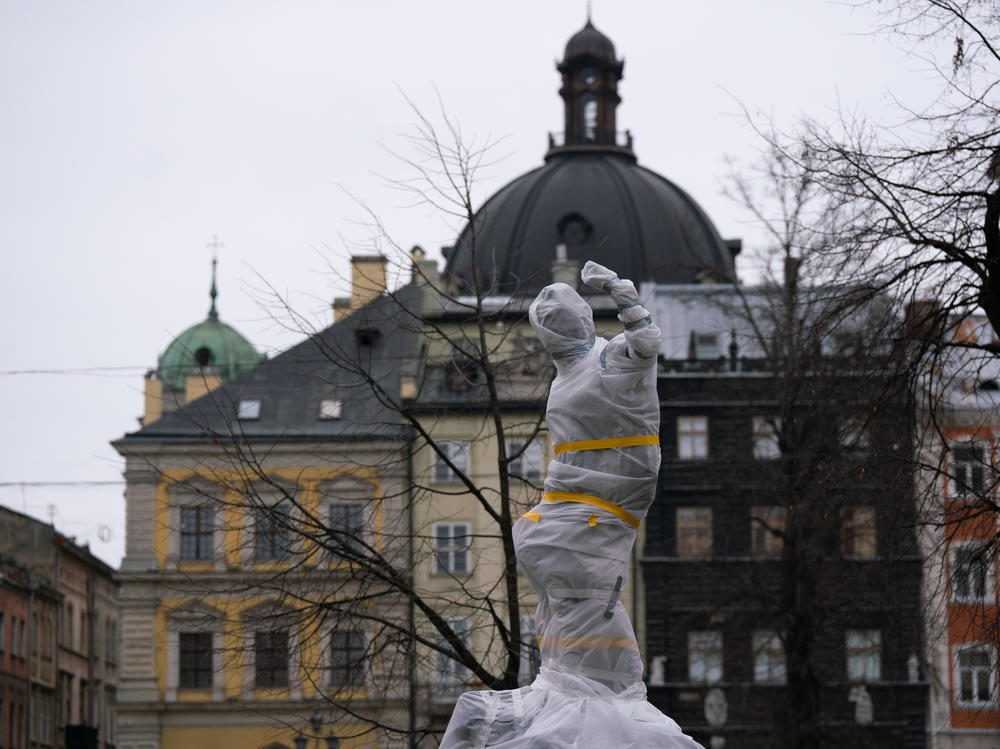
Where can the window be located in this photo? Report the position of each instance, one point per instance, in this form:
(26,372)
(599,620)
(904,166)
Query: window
(451,548)
(768,657)
(705,657)
(330,409)
(527,465)
(347,658)
(864,655)
(694,532)
(966,470)
(854,435)
(692,437)
(531,657)
(765,437)
(767,526)
(857,532)
(195,660)
(109,714)
(975,674)
(2,646)
(45,720)
(450,675)
(347,527)
(458,452)
(705,345)
(197,532)
(68,634)
(271,535)
(589,117)
(248,410)
(271,658)
(68,694)
(22,645)
(971,574)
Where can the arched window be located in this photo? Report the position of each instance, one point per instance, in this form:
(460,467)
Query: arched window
(589,118)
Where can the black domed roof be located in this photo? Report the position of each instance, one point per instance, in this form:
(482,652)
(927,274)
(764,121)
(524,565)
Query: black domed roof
(604,207)
(589,42)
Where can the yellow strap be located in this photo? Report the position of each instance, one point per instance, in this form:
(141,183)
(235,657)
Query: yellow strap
(588,642)
(646,439)
(586,499)
(592,521)
(534,517)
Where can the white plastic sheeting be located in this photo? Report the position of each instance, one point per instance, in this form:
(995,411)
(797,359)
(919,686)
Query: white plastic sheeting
(573,547)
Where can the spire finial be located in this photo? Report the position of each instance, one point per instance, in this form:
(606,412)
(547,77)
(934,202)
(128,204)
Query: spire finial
(214,245)
(588,13)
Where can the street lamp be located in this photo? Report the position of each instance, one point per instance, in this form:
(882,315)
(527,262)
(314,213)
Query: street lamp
(316,721)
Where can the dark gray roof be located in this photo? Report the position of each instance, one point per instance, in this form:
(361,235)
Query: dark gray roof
(606,208)
(350,361)
(588,42)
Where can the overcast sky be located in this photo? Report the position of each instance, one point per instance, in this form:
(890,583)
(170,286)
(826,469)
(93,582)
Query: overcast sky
(134,131)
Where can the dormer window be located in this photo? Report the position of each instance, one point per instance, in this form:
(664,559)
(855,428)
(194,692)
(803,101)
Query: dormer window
(330,409)
(248,410)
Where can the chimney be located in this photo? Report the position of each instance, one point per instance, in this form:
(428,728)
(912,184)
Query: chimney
(341,308)
(153,398)
(367,279)
(563,270)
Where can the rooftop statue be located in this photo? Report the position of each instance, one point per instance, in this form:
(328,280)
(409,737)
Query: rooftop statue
(573,547)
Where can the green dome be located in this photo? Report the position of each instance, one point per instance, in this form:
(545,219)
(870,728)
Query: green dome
(212,344)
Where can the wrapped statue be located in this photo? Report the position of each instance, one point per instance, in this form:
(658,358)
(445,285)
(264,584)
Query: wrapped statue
(573,547)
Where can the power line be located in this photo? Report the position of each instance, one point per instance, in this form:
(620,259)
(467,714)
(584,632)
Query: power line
(61,483)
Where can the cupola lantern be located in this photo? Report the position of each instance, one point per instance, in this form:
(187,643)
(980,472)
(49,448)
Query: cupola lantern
(590,75)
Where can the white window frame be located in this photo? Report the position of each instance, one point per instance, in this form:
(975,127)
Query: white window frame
(194,617)
(248,409)
(766,543)
(357,537)
(691,513)
(263,511)
(866,650)
(988,562)
(530,464)
(366,665)
(450,676)
(692,437)
(764,436)
(458,453)
(447,552)
(964,487)
(705,656)
(845,528)
(854,434)
(991,675)
(531,657)
(768,657)
(330,409)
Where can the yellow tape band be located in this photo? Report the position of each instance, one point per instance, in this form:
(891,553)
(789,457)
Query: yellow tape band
(586,499)
(534,517)
(647,439)
(588,642)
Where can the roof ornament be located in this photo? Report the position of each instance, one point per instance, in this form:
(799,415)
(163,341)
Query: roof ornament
(214,245)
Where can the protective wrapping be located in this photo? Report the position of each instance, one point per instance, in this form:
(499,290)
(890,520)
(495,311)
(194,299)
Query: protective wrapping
(573,547)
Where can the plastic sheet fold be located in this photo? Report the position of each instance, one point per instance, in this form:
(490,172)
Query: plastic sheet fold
(574,546)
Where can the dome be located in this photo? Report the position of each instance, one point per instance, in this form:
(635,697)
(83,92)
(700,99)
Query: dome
(602,206)
(210,344)
(590,43)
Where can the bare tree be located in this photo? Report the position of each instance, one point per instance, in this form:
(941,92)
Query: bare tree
(919,196)
(830,483)
(362,597)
